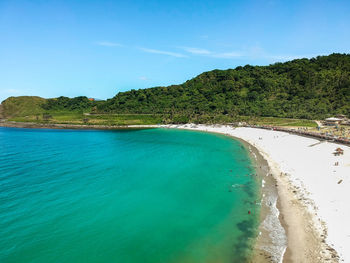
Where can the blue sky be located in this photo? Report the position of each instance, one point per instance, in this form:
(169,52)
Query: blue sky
(98,48)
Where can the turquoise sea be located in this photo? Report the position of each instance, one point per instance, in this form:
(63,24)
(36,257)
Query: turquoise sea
(155,195)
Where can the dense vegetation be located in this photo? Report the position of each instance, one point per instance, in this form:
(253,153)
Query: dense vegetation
(65,103)
(303,89)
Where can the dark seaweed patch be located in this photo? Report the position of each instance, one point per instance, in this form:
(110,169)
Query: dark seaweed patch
(243,247)
(249,190)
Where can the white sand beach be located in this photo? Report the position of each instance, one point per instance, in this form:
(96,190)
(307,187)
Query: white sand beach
(314,193)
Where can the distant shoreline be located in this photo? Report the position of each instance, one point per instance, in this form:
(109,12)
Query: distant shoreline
(33,125)
(14,124)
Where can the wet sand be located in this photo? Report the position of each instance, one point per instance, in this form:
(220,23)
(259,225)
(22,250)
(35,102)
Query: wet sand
(269,245)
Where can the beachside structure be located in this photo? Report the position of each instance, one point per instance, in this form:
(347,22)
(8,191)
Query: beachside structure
(341,116)
(339,151)
(332,121)
(347,122)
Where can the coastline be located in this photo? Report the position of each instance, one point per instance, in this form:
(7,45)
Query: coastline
(315,219)
(311,190)
(282,217)
(270,244)
(33,125)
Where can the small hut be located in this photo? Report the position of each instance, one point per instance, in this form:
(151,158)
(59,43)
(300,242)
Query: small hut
(338,151)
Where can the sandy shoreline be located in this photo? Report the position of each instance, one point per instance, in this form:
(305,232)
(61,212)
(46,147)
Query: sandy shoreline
(271,243)
(312,191)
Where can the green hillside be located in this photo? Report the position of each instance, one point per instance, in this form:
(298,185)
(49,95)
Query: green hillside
(302,88)
(299,89)
(78,110)
(22,106)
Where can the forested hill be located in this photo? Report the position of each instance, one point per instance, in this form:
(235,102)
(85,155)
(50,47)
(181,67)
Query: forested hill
(302,88)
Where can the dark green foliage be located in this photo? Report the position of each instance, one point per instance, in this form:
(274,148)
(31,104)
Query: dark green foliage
(80,103)
(302,88)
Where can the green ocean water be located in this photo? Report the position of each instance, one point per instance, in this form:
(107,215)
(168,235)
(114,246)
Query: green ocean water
(157,195)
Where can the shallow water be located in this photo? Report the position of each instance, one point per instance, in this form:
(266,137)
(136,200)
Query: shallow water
(155,195)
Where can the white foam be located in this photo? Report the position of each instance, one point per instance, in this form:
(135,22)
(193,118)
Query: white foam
(277,247)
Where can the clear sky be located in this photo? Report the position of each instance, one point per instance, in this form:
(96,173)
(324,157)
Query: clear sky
(98,48)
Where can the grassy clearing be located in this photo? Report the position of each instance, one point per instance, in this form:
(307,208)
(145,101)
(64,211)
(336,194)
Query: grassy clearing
(22,106)
(78,117)
(286,122)
(95,119)
(302,123)
(272,121)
